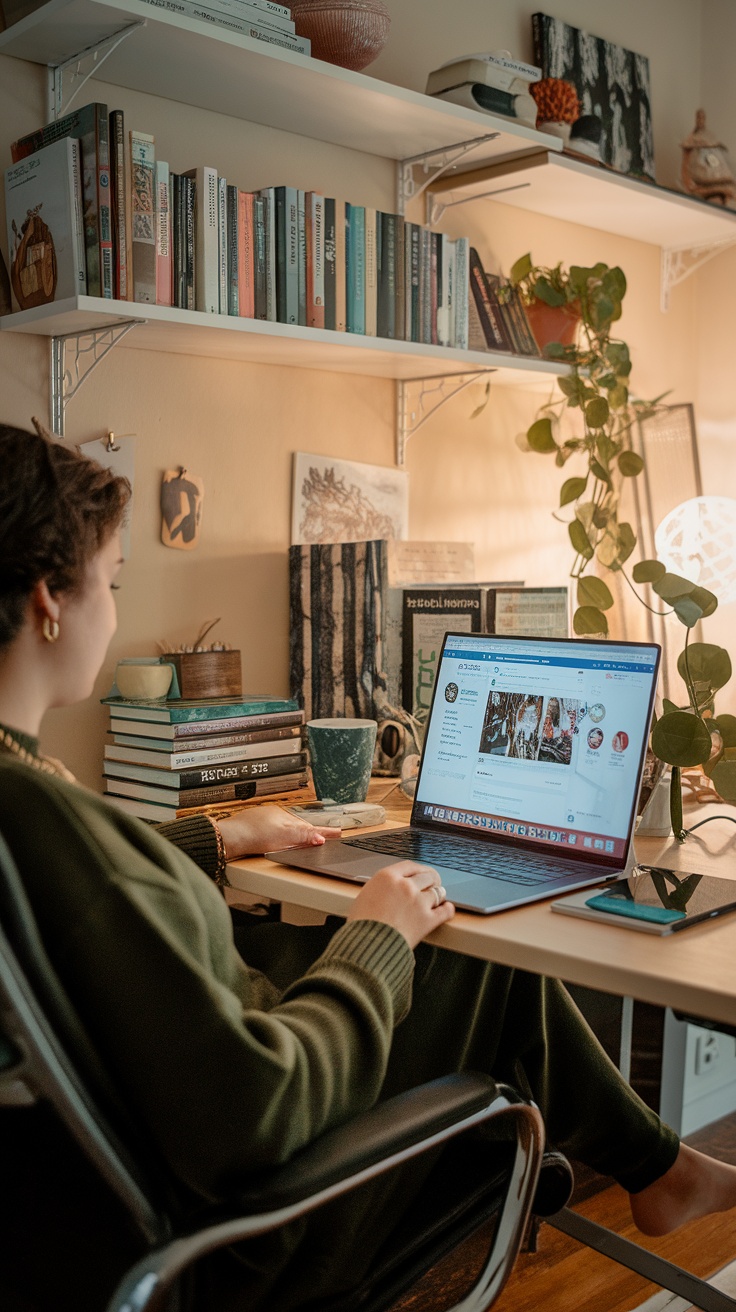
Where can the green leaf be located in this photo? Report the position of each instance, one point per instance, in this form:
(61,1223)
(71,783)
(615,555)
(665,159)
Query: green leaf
(571,489)
(592,591)
(618,396)
(585,512)
(671,586)
(630,464)
(607,551)
(707,601)
(681,739)
(540,436)
(556,351)
(710,666)
(606,447)
(602,515)
(579,539)
(603,311)
(579,276)
(521,269)
(626,541)
(597,412)
(614,283)
(587,619)
(726,725)
(668,706)
(687,611)
(648,571)
(570,387)
(544,291)
(724,780)
(598,470)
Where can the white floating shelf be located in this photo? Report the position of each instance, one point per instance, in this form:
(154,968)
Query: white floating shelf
(188,332)
(595,197)
(193,61)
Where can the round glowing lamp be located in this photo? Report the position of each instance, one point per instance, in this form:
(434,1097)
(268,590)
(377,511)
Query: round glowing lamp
(698,540)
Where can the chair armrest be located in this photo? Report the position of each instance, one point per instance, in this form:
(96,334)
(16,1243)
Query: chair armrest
(389,1127)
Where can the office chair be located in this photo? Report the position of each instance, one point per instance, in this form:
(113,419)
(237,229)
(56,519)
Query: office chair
(46,1056)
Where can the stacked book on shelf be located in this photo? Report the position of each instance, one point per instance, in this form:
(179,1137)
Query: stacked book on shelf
(261,20)
(178,757)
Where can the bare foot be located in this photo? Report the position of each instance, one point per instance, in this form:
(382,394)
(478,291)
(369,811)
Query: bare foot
(694,1186)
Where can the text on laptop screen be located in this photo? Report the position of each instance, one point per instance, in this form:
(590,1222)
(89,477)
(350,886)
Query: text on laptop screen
(538,740)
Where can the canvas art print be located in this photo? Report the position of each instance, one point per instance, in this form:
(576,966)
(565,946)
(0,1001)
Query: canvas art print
(612,83)
(347,501)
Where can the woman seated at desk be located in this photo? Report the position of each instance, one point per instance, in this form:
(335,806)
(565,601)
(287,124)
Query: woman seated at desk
(231,1061)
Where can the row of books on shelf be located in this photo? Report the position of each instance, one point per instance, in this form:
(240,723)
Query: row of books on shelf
(258,19)
(181,757)
(91,209)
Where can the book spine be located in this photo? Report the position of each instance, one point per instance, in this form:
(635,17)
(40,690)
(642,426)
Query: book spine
(329,263)
(127,733)
(75,192)
(259,258)
(301,233)
(245,12)
(371,273)
(270,766)
(246,246)
(444,292)
(315,259)
(416,269)
(116,125)
(425,287)
(509,319)
(143,164)
(497,317)
(435,289)
(462,292)
(529,342)
(190,234)
(175,186)
(399,261)
(271,255)
(482,304)
(386,317)
(163,234)
(287,255)
(206,239)
(232,250)
(341,273)
(355,260)
(104,208)
(222,245)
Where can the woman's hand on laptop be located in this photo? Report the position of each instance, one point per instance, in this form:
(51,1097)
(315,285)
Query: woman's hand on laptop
(408,896)
(266,829)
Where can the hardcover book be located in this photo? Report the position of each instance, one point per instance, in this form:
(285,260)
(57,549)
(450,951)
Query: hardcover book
(371,272)
(301,234)
(182,756)
(119,203)
(428,613)
(43,203)
(90,126)
(233,249)
(178,711)
(143,207)
(200,776)
(260,280)
(206,239)
(287,254)
(330,263)
(164,254)
(315,233)
(355,267)
(222,245)
(495,337)
(246,255)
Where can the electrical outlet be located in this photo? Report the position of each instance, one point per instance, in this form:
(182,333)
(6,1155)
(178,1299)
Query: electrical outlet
(707,1053)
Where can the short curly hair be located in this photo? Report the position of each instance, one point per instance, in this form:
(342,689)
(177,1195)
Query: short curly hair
(57,509)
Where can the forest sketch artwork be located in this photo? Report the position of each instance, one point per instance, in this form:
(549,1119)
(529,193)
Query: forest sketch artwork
(346,501)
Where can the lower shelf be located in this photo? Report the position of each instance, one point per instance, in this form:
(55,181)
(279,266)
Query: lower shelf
(188,332)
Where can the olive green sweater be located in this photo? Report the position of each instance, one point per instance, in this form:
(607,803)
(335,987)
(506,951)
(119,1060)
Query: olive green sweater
(227,1073)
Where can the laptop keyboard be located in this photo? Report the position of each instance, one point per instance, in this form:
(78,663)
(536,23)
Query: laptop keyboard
(497,862)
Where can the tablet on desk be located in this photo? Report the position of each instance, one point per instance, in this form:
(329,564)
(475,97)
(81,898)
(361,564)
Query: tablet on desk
(655,900)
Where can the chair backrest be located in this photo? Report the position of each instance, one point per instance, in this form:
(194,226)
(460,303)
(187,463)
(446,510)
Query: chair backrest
(45,1051)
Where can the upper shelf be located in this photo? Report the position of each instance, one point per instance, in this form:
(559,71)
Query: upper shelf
(212,68)
(595,197)
(189,332)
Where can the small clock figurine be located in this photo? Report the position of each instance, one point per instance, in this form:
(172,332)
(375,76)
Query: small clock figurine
(706,171)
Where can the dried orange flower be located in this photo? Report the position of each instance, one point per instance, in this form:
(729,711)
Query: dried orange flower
(557,101)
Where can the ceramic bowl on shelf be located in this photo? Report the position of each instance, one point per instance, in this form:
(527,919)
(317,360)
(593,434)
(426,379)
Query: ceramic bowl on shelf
(141,679)
(350,33)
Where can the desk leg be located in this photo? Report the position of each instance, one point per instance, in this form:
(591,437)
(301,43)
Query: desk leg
(627,1024)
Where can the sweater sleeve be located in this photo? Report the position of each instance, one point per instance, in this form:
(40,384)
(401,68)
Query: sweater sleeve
(195,836)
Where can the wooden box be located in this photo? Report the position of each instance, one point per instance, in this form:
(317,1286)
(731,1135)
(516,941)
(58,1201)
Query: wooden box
(204,674)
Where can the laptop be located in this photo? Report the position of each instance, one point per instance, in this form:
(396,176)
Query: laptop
(530,772)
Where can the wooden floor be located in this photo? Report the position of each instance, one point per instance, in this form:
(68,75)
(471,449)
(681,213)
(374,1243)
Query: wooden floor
(564,1277)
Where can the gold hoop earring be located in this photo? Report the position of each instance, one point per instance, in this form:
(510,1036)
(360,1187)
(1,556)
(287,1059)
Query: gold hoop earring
(50,629)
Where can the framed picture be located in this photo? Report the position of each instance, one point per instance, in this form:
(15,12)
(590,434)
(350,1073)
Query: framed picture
(347,501)
(612,83)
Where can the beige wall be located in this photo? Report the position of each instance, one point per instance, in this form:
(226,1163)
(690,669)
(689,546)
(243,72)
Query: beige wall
(236,425)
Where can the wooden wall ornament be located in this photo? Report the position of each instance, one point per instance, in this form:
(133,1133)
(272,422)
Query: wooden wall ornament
(182,495)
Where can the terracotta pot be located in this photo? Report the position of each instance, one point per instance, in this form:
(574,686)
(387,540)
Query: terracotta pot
(346,32)
(552,323)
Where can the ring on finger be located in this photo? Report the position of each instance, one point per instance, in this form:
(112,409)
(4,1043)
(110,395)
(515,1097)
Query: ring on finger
(441,893)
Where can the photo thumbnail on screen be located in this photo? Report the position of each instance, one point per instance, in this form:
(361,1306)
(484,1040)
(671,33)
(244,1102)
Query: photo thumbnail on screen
(530,727)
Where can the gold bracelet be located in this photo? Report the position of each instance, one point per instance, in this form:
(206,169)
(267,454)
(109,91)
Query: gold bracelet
(219,875)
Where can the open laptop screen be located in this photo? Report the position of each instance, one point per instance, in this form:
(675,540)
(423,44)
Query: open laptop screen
(540,741)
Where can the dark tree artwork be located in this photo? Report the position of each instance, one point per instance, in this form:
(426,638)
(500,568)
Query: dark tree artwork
(612,83)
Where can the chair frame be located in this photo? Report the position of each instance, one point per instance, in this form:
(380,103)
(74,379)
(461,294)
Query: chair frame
(34,1064)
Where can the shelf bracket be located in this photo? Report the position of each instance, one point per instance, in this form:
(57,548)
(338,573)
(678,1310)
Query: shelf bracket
(432,163)
(435,207)
(417,399)
(67,375)
(680,261)
(93,56)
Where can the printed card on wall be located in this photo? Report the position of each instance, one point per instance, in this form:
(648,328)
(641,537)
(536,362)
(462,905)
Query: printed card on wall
(182,495)
(612,84)
(117,454)
(347,501)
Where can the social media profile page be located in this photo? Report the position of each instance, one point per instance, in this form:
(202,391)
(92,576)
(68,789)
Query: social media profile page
(542,741)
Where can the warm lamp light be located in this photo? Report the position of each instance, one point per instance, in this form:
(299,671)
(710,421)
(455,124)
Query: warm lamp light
(698,540)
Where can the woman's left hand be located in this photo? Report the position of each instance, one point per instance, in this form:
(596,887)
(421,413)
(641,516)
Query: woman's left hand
(266,829)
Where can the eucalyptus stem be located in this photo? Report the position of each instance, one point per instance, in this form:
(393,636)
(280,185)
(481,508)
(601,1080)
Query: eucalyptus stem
(661,613)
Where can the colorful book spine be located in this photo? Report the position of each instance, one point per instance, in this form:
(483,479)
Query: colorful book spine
(232,247)
(190,232)
(143,194)
(371,272)
(127,734)
(355,265)
(246,267)
(274,723)
(341,284)
(287,254)
(260,276)
(206,239)
(104,204)
(330,264)
(164,261)
(222,244)
(195,712)
(205,775)
(315,259)
(178,295)
(118,203)
(435,281)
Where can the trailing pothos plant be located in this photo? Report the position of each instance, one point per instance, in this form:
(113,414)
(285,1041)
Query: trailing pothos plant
(597,387)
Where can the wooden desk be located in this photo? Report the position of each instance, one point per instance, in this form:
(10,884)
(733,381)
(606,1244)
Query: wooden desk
(693,972)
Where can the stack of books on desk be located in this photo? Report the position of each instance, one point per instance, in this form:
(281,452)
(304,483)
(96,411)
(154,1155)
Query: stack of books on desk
(167,759)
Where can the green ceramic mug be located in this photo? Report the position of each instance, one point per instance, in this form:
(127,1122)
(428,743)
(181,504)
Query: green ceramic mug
(341,754)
